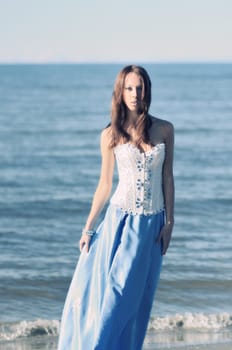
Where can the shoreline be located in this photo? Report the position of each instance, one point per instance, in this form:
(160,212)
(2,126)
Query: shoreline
(218,346)
(50,343)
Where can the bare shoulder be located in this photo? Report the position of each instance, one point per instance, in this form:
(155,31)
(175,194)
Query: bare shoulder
(162,129)
(162,123)
(106,134)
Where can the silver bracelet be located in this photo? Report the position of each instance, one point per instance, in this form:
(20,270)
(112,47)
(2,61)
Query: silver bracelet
(89,232)
(169,222)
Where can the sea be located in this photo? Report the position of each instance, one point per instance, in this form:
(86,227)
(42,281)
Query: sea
(51,117)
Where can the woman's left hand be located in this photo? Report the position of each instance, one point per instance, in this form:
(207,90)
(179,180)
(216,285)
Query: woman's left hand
(165,237)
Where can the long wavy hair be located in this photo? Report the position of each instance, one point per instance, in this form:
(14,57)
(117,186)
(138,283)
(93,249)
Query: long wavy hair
(119,111)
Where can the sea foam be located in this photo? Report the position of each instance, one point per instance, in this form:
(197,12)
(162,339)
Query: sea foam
(191,321)
(187,321)
(24,329)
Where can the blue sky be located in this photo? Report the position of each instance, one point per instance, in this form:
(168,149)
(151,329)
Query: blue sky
(115,31)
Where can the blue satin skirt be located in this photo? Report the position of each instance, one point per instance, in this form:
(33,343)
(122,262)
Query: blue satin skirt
(110,297)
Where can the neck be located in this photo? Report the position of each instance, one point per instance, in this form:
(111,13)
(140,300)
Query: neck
(131,118)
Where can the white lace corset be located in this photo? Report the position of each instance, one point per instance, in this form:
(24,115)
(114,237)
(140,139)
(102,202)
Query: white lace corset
(139,190)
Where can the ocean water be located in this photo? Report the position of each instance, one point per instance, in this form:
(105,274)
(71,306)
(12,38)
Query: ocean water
(51,117)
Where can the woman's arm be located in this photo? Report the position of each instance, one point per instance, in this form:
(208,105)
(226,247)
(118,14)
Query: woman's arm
(103,189)
(168,188)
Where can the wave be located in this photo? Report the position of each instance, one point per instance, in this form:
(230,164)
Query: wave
(188,321)
(191,321)
(25,329)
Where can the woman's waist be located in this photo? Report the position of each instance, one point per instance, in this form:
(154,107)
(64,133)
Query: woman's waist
(138,202)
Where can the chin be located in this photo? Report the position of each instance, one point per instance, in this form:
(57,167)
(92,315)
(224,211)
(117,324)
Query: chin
(134,108)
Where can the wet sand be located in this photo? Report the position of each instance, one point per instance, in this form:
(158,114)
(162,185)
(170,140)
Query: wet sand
(50,343)
(199,347)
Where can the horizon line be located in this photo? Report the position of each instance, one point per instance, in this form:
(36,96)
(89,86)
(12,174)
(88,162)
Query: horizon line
(115,62)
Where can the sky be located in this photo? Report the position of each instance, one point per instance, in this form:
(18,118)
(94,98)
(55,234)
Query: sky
(115,31)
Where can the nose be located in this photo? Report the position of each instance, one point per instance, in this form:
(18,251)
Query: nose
(135,92)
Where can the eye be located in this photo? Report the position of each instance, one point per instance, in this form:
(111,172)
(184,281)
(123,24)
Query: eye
(129,88)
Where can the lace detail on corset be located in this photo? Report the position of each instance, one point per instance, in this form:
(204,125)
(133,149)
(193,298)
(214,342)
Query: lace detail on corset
(139,190)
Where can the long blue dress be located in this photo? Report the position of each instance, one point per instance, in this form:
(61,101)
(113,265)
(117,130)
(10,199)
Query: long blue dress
(110,297)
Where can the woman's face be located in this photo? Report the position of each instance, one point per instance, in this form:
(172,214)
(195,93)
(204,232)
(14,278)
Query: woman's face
(132,92)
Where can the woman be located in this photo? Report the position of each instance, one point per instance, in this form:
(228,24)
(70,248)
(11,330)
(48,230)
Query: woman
(110,297)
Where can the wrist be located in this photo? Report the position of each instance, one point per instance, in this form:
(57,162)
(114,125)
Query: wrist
(88,232)
(170,222)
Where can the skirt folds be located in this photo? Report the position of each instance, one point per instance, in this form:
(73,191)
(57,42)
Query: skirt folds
(111,294)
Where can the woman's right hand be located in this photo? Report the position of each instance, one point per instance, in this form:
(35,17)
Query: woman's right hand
(85,241)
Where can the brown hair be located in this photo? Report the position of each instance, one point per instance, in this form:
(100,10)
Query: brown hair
(118,108)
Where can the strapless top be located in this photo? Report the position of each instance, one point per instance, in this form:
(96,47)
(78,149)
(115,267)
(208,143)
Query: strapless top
(139,189)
